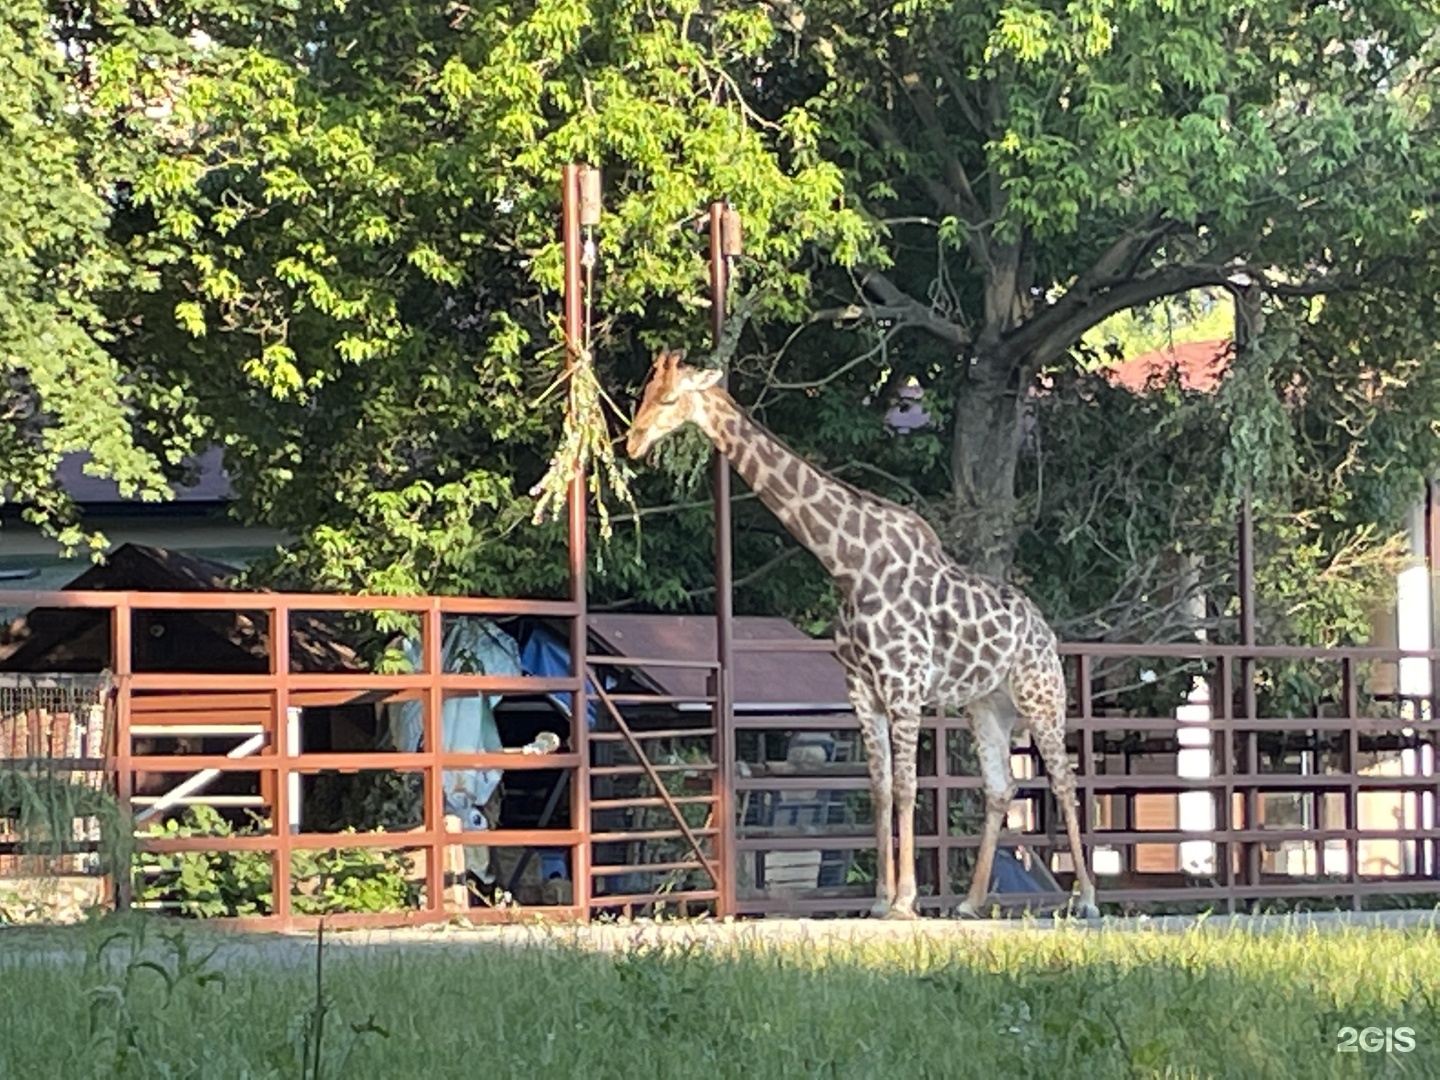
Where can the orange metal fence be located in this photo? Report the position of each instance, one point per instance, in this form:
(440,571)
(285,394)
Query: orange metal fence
(1337,806)
(1342,780)
(158,705)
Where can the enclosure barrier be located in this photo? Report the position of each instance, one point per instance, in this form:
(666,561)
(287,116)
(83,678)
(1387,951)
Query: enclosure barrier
(1222,803)
(1342,753)
(255,710)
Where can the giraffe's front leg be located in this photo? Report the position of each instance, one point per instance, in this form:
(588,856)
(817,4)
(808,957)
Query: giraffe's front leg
(875,731)
(905,734)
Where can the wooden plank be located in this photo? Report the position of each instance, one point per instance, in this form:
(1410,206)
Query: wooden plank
(256,718)
(162,702)
(805,770)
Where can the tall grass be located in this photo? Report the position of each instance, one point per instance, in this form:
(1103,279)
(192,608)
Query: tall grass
(45,805)
(1054,1004)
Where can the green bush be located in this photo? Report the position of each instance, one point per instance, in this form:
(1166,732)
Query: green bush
(217,884)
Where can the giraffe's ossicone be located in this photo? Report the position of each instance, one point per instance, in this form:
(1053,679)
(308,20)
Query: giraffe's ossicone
(916,631)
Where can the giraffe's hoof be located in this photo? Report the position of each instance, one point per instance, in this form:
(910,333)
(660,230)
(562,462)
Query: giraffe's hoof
(902,912)
(966,910)
(880,909)
(1086,909)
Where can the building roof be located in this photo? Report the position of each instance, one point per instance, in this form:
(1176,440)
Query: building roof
(764,681)
(211,484)
(78,639)
(1199,366)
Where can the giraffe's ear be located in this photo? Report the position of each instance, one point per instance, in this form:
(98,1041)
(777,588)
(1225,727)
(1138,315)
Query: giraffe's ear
(698,380)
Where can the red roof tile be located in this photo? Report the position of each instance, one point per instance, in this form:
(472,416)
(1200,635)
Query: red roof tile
(1200,365)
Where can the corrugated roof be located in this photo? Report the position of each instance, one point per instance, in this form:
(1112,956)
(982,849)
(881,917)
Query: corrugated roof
(35,640)
(763,680)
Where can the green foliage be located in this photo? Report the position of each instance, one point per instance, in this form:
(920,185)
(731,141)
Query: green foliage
(116,1028)
(325,236)
(61,388)
(206,884)
(1038,170)
(366,199)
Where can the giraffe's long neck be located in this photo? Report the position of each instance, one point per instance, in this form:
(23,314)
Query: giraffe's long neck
(827,517)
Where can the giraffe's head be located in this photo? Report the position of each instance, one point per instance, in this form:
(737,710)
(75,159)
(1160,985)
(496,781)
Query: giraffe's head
(671,398)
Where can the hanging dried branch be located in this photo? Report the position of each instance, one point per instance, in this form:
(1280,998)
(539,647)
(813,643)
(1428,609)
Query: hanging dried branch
(585,447)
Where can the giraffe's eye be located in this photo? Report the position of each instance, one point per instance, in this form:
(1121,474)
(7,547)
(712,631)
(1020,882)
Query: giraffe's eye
(673,399)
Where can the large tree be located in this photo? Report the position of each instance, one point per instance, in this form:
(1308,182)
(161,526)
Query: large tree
(366,206)
(1039,167)
(60,159)
(358,206)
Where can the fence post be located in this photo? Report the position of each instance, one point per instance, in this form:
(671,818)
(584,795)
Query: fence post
(280,746)
(121,660)
(579,183)
(1247,676)
(724,245)
(432,659)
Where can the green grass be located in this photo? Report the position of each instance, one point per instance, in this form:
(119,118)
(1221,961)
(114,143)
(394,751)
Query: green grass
(1063,1003)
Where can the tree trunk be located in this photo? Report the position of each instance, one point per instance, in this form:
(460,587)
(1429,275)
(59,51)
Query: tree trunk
(979,526)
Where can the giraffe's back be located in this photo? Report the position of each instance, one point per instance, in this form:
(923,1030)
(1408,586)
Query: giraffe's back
(925,632)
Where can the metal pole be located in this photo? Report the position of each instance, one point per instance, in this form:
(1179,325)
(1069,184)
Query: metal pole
(432,651)
(1247,679)
(1247,618)
(724,582)
(122,651)
(572,179)
(1432,560)
(280,812)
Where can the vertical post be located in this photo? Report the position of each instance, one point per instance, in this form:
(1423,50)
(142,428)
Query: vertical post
(574,179)
(724,244)
(1432,561)
(1247,679)
(1225,813)
(432,660)
(1085,698)
(121,660)
(1247,313)
(280,743)
(1352,789)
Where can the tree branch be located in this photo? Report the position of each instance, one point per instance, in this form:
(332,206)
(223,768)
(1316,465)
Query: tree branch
(1059,326)
(957,87)
(906,310)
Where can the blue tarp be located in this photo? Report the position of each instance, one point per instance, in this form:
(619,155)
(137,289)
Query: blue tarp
(544,655)
(1010,876)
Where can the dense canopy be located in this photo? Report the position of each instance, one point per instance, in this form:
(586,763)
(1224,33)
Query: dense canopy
(322,233)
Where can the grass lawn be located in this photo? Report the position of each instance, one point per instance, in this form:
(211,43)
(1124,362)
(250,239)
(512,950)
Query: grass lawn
(1068,1003)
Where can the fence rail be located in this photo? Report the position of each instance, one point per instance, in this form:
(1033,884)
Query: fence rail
(1352,770)
(1265,804)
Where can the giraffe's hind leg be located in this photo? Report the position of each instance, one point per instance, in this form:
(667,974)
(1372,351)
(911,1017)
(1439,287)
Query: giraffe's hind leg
(1041,701)
(875,732)
(992,720)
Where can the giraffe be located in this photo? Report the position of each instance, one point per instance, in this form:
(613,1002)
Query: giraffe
(915,629)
